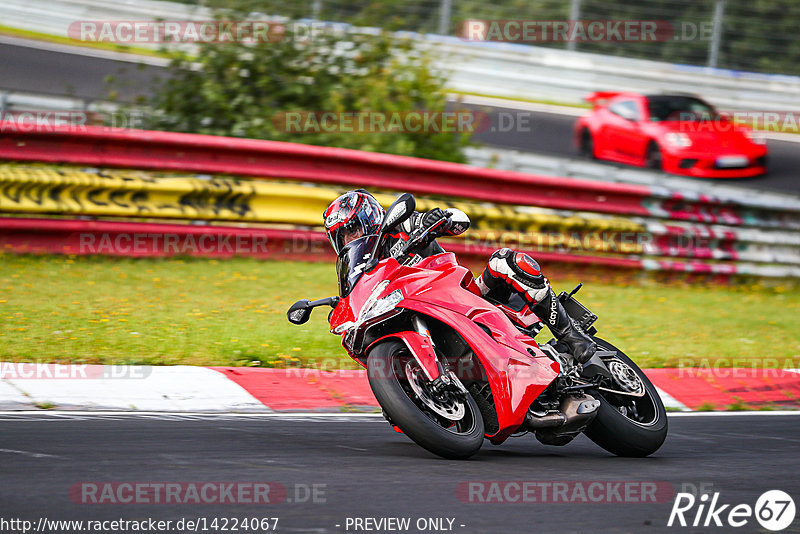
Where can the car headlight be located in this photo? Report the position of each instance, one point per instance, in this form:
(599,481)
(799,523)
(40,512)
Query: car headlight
(678,139)
(381,306)
(757,138)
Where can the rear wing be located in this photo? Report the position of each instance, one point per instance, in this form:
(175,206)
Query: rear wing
(601,98)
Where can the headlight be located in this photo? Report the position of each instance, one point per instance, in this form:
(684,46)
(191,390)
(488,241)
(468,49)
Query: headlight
(678,139)
(757,138)
(381,306)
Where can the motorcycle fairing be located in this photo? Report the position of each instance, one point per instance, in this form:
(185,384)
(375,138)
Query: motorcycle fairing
(516,378)
(517,370)
(420,347)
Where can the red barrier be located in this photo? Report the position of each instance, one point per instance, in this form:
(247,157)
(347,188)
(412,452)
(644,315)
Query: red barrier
(111,238)
(141,149)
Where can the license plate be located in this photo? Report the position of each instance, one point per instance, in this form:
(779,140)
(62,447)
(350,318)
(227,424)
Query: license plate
(732,161)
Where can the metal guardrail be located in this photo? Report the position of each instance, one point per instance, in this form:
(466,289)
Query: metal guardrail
(532,163)
(11,100)
(581,221)
(494,69)
(534,73)
(109,147)
(38,190)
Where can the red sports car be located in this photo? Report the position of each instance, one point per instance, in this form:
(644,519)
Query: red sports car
(678,134)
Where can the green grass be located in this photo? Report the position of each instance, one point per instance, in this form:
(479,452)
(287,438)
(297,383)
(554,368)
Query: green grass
(232,312)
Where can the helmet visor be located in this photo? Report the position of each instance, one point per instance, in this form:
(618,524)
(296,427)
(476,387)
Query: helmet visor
(346,234)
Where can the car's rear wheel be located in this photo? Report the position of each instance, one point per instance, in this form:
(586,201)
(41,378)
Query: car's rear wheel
(655,159)
(586,146)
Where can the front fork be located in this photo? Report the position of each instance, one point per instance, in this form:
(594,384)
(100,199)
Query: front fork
(446,378)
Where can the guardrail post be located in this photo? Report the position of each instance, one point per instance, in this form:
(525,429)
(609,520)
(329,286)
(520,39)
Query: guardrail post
(316,9)
(445,8)
(716,35)
(574,14)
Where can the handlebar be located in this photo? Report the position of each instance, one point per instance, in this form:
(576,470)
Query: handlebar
(415,239)
(419,236)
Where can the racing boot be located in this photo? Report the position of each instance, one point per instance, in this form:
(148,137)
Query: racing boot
(564,328)
(522,274)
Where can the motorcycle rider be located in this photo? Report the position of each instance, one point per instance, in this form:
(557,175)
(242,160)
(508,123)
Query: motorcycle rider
(357,213)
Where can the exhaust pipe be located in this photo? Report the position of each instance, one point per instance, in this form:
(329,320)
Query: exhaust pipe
(550,420)
(574,412)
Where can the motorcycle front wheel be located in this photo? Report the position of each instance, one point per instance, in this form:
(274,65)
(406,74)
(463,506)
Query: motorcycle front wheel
(628,425)
(446,424)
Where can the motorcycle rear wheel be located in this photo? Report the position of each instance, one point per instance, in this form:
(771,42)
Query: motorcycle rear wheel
(422,418)
(626,426)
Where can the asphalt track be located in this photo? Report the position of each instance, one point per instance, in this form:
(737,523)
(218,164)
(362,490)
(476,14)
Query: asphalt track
(370,471)
(50,70)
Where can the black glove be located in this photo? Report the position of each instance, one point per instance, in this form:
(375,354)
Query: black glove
(433,216)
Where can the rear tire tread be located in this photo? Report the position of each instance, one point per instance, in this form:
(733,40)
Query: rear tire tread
(619,435)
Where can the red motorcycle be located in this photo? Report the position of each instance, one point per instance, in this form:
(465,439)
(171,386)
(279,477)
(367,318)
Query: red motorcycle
(450,367)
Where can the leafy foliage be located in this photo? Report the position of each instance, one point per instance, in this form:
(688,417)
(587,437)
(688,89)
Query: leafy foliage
(757,35)
(242,89)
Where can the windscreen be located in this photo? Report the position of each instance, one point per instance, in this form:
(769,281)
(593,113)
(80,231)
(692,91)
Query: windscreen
(679,108)
(350,265)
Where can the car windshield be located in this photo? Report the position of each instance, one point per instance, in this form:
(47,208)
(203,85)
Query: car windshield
(350,265)
(679,108)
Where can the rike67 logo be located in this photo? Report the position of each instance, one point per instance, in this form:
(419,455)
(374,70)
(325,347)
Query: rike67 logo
(774,510)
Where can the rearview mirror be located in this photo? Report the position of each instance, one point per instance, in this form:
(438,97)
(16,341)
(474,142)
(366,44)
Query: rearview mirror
(400,210)
(299,312)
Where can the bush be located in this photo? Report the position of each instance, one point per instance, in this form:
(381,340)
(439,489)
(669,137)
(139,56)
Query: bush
(240,89)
